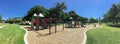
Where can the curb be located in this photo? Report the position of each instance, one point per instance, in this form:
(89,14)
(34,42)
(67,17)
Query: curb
(85,36)
(25,36)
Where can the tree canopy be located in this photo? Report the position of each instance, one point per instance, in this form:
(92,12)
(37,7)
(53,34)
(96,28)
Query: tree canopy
(0,17)
(36,9)
(113,15)
(93,20)
(74,15)
(58,12)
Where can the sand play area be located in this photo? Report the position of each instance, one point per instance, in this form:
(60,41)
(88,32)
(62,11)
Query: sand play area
(67,36)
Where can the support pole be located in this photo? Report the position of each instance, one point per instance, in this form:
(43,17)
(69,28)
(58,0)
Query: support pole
(78,24)
(55,27)
(32,24)
(49,29)
(63,25)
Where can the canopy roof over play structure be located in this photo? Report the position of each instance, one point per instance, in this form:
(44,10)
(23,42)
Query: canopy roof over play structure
(70,18)
(40,15)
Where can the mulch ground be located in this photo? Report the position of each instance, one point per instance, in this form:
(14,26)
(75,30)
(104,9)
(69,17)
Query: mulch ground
(67,36)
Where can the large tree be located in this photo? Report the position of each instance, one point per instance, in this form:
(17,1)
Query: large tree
(74,15)
(93,20)
(118,15)
(0,18)
(36,9)
(58,11)
(113,15)
(84,19)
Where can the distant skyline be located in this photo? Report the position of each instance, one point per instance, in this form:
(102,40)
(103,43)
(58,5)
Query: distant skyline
(85,8)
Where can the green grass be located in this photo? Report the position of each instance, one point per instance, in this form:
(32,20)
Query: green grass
(2,24)
(11,34)
(104,35)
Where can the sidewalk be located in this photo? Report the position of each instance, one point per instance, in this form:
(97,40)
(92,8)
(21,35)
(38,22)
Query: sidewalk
(68,36)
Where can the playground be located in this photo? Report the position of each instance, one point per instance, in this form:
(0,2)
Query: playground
(49,31)
(60,22)
(66,36)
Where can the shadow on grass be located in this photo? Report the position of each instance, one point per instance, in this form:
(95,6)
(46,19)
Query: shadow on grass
(114,25)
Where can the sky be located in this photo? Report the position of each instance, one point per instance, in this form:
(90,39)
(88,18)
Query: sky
(85,8)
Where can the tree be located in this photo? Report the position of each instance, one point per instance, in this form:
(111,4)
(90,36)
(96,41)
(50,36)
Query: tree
(74,15)
(93,20)
(58,11)
(60,6)
(118,15)
(84,20)
(113,14)
(63,15)
(36,9)
(0,18)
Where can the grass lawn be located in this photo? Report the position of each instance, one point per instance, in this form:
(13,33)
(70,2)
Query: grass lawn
(11,34)
(104,35)
(2,24)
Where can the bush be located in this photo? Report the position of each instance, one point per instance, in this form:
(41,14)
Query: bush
(114,25)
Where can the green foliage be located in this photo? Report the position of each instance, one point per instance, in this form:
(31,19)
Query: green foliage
(62,15)
(36,9)
(0,17)
(74,15)
(113,15)
(93,20)
(84,19)
(60,6)
(58,11)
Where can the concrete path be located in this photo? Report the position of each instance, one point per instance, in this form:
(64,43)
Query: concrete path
(25,36)
(68,36)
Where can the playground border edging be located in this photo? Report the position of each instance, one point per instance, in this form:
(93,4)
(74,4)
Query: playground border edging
(85,36)
(25,36)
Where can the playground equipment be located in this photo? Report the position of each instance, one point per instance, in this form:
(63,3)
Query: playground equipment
(72,23)
(40,22)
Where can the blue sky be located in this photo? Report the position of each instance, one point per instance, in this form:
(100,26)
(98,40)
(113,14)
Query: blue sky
(86,8)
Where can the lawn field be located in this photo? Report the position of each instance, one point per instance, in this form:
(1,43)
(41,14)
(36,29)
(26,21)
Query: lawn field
(2,24)
(11,34)
(104,35)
